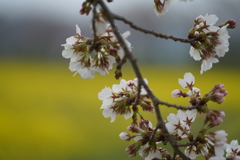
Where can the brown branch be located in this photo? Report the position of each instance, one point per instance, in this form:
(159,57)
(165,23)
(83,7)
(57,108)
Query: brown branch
(94,26)
(156,34)
(178,106)
(160,123)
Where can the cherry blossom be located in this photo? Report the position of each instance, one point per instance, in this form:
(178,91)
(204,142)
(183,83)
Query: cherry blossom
(119,99)
(113,38)
(212,41)
(69,51)
(87,60)
(232,149)
(190,152)
(162,8)
(219,140)
(188,80)
(151,154)
(181,122)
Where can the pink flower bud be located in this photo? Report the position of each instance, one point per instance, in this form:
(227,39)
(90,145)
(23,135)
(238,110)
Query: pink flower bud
(132,149)
(176,93)
(215,117)
(144,124)
(133,129)
(231,24)
(125,136)
(217,94)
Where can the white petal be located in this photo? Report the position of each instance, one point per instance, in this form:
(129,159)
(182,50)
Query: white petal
(74,66)
(109,113)
(128,115)
(123,83)
(67,53)
(67,46)
(86,73)
(191,114)
(195,54)
(172,118)
(170,127)
(211,19)
(189,78)
(78,30)
(126,34)
(71,40)
(120,53)
(100,27)
(182,83)
(76,57)
(111,60)
(105,93)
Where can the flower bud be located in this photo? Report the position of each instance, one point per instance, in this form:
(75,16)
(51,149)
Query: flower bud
(231,24)
(176,93)
(133,129)
(215,117)
(125,136)
(132,149)
(216,94)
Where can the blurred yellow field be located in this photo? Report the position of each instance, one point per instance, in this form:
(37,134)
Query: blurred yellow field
(47,114)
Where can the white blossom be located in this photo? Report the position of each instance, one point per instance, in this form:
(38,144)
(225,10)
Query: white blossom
(190,152)
(214,41)
(116,101)
(207,64)
(162,8)
(194,92)
(188,80)
(83,71)
(222,47)
(151,155)
(68,51)
(182,119)
(232,146)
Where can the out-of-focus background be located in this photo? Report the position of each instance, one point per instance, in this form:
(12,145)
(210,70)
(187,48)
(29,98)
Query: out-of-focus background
(47,114)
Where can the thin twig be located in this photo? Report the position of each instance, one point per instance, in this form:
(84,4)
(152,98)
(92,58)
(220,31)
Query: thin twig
(186,144)
(178,106)
(156,34)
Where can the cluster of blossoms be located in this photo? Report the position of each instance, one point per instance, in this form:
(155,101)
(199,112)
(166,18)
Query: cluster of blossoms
(214,146)
(88,56)
(216,94)
(223,150)
(208,145)
(210,41)
(119,99)
(143,132)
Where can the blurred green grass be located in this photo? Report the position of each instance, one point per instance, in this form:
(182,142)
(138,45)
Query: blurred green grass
(47,114)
